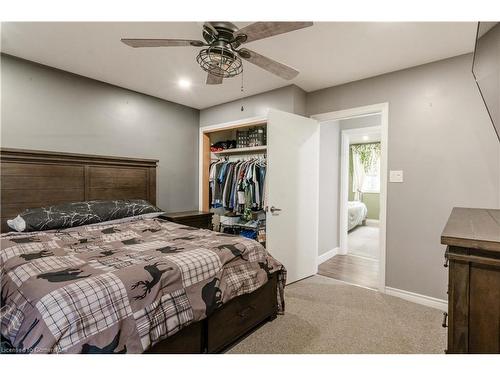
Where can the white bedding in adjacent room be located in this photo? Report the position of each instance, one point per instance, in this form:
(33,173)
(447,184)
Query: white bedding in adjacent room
(357,212)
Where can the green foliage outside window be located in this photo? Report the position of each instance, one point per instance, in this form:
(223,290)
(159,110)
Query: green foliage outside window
(368,153)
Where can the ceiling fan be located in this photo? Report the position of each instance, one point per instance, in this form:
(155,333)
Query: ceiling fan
(222,57)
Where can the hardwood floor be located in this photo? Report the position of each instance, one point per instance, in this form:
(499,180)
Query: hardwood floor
(351,269)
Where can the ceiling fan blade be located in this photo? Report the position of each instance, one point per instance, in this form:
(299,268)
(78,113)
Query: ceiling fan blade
(261,30)
(211,27)
(213,80)
(162,43)
(279,69)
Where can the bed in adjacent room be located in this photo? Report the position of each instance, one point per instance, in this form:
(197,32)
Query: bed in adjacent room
(357,213)
(131,285)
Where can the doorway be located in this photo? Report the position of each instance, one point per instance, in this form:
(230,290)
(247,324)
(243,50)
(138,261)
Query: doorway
(358,258)
(353,165)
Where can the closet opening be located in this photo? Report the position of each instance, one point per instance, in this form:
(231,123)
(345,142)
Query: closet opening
(353,172)
(234,179)
(280,154)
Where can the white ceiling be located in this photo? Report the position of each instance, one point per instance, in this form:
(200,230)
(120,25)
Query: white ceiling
(326,54)
(367,137)
(364,138)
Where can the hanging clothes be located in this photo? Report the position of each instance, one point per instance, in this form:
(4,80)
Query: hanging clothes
(235,185)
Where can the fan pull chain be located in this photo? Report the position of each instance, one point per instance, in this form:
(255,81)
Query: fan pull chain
(242,91)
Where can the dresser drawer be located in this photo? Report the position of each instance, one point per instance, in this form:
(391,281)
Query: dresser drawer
(240,315)
(189,340)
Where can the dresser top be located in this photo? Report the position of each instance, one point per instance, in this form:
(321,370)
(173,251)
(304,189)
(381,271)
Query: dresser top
(473,228)
(187,214)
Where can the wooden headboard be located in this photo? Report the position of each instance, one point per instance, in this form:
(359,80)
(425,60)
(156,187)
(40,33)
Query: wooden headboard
(32,179)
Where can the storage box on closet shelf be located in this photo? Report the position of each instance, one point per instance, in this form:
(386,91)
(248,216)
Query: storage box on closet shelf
(256,136)
(241,138)
(253,137)
(229,220)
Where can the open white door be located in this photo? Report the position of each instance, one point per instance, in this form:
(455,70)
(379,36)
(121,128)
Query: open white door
(292,182)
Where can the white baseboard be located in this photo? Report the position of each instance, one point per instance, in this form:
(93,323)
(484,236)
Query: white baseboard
(329,254)
(421,299)
(436,303)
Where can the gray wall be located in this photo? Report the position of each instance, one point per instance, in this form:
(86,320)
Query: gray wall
(48,109)
(441,136)
(289,99)
(361,122)
(329,180)
(299,100)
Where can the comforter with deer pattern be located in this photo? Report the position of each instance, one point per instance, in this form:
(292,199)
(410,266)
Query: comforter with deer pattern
(121,288)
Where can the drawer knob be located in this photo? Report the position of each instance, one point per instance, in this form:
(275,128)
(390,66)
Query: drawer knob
(245,312)
(445,320)
(445,265)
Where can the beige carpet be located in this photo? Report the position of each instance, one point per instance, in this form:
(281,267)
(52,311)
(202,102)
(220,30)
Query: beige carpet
(364,240)
(327,316)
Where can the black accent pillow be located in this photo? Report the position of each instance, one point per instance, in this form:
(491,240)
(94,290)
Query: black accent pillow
(74,214)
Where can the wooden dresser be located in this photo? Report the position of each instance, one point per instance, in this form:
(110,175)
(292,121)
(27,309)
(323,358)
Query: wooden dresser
(197,219)
(472,237)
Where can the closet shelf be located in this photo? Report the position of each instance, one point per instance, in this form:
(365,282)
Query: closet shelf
(242,150)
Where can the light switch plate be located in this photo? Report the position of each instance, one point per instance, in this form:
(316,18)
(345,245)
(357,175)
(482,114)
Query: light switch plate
(396,176)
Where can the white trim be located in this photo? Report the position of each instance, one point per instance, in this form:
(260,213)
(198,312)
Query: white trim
(384,166)
(421,299)
(372,221)
(370,191)
(328,255)
(383,109)
(210,128)
(344,192)
(333,252)
(351,112)
(230,124)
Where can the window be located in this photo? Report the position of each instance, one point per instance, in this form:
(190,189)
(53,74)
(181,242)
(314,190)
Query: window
(366,168)
(371,182)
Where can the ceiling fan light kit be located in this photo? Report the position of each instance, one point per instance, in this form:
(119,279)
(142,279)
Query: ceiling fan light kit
(222,58)
(220,62)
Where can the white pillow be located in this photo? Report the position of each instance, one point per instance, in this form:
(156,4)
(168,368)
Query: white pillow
(18,224)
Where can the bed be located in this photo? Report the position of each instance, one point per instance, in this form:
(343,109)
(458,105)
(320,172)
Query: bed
(357,213)
(147,285)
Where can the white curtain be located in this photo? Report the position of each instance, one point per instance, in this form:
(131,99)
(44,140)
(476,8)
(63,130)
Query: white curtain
(358,176)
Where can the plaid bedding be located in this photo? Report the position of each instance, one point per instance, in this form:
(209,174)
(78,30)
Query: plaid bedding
(121,288)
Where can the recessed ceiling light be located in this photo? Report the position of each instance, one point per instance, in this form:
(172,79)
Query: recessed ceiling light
(184,83)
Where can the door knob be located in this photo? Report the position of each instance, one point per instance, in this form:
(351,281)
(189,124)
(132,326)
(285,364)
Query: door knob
(274,209)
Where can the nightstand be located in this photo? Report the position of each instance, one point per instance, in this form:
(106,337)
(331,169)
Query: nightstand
(197,219)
